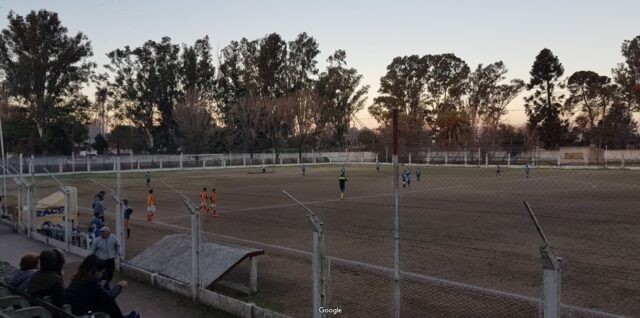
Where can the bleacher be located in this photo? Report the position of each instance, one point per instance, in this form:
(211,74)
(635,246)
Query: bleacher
(18,305)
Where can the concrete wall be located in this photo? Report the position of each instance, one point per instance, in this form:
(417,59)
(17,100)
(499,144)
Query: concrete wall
(218,301)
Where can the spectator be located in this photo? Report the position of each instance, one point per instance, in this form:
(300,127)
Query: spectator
(85,294)
(20,278)
(107,248)
(48,280)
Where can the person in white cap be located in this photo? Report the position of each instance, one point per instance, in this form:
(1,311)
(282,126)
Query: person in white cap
(107,248)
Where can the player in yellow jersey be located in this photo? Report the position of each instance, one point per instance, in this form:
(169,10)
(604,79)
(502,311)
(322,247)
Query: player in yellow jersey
(212,203)
(151,206)
(203,200)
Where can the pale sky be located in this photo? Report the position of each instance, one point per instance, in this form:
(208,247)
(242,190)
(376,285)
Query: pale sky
(585,35)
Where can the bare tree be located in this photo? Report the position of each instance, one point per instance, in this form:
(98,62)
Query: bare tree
(245,116)
(194,120)
(305,106)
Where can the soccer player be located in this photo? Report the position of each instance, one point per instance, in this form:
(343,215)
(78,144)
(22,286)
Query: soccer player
(409,179)
(212,202)
(342,182)
(304,170)
(418,173)
(377,166)
(264,169)
(147,176)
(404,178)
(127,216)
(526,170)
(151,206)
(497,170)
(203,200)
(343,170)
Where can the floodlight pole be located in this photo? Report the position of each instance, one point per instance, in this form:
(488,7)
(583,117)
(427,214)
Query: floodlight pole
(396,221)
(551,272)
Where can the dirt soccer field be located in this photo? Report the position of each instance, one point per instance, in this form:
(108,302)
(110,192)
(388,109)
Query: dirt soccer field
(464,225)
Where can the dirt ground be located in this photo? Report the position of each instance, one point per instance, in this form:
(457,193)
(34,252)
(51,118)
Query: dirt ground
(465,225)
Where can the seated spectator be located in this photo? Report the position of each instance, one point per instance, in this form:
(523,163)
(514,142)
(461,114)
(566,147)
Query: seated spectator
(20,278)
(48,280)
(85,294)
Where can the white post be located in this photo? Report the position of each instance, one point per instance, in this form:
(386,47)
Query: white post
(195,254)
(280,160)
(138,161)
(622,152)
(114,164)
(486,159)
(409,158)
(88,164)
(19,207)
(4,172)
(446,158)
(119,211)
(31,209)
(33,164)
(479,155)
(508,159)
(161,163)
(298,160)
(551,283)
(253,275)
(204,162)
(67,215)
(465,158)
(181,158)
(558,158)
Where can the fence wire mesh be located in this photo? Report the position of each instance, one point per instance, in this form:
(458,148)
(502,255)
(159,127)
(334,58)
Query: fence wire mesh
(467,245)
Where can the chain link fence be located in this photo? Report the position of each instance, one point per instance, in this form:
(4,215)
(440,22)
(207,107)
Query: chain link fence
(467,245)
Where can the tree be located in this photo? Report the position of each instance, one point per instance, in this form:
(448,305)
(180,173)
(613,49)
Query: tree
(306,106)
(618,125)
(341,94)
(272,66)
(193,118)
(592,94)
(100,144)
(487,98)
(544,107)
(627,74)
(245,117)
(302,63)
(454,127)
(44,68)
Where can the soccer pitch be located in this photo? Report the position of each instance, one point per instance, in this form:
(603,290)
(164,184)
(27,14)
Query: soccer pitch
(460,224)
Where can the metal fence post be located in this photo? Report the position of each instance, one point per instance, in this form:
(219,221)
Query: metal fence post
(20,164)
(509,160)
(465,158)
(486,159)
(88,164)
(320,263)
(446,158)
(551,272)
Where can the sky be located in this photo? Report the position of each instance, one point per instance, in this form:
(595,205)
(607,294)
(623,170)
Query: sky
(585,35)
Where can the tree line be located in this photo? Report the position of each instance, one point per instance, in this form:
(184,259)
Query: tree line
(268,94)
